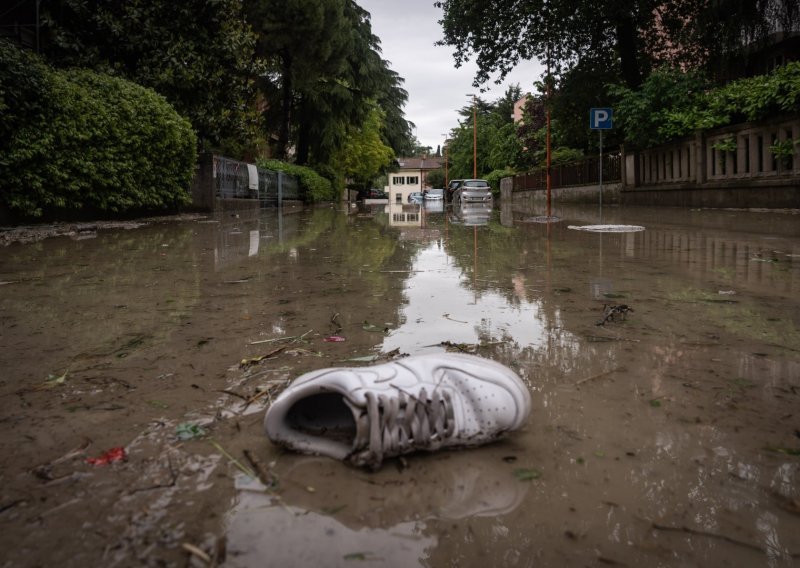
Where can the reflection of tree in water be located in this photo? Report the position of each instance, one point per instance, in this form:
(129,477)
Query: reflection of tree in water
(93,289)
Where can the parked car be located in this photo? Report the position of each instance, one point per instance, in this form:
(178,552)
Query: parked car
(452,187)
(433,194)
(376,194)
(415,197)
(474,190)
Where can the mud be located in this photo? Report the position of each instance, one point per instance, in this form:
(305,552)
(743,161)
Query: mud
(667,437)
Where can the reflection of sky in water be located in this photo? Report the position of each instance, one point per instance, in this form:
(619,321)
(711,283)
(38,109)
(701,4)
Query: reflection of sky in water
(442,306)
(263,535)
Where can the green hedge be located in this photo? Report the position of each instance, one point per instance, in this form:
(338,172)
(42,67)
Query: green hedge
(313,187)
(77,139)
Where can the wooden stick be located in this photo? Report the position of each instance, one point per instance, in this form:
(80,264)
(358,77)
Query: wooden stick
(598,376)
(726,538)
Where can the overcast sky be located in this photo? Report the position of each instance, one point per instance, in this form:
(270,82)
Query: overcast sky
(436,89)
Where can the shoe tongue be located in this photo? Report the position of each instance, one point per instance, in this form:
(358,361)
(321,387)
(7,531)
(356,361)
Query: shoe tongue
(361,440)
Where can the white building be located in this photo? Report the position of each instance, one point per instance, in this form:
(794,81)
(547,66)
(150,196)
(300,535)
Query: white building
(409,177)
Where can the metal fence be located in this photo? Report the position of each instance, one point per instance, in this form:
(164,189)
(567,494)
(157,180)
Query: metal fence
(239,180)
(584,172)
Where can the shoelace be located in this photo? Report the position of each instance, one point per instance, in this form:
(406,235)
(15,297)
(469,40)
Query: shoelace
(394,425)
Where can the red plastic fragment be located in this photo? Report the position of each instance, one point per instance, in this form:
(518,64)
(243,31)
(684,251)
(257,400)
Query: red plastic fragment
(109,456)
(334,339)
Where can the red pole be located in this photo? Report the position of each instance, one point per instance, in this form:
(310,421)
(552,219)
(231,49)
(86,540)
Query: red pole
(548,133)
(446,169)
(474,139)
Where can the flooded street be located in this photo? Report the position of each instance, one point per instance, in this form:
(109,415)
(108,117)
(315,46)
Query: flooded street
(667,436)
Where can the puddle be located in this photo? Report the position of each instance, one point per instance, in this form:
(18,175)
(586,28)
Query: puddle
(667,436)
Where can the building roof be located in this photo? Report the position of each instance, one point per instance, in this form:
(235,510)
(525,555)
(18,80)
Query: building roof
(430,163)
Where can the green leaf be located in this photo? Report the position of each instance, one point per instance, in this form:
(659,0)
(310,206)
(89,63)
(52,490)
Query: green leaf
(787,451)
(189,431)
(527,474)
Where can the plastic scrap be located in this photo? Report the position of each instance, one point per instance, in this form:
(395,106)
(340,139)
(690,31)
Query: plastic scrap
(109,456)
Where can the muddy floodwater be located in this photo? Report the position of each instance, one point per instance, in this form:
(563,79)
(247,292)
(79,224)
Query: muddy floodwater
(136,364)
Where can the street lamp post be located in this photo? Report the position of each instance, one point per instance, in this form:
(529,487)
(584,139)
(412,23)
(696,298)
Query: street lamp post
(474,136)
(446,174)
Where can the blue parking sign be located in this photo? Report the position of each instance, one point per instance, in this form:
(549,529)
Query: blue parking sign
(601,118)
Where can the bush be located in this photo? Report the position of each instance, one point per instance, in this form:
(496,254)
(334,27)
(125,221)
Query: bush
(78,139)
(494,179)
(313,187)
(672,104)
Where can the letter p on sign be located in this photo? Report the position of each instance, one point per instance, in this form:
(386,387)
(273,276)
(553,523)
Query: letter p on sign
(601,118)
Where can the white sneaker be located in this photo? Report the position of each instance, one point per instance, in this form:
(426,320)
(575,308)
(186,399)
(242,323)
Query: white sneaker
(428,402)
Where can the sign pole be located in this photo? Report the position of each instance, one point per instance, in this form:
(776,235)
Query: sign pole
(601,172)
(601,119)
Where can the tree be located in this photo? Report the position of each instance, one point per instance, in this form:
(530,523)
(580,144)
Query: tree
(593,44)
(714,36)
(503,32)
(319,89)
(435,178)
(364,155)
(296,64)
(198,54)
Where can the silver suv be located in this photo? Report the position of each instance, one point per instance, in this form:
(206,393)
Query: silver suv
(474,190)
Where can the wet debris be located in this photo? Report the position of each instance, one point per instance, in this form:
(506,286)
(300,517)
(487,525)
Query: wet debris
(244,469)
(366,326)
(196,552)
(389,356)
(470,348)
(784,451)
(188,431)
(718,536)
(45,470)
(264,473)
(113,455)
(52,381)
(245,363)
(291,338)
(337,326)
(599,375)
(527,474)
(613,312)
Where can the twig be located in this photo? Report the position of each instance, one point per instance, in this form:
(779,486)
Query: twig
(6,506)
(598,376)
(231,393)
(43,471)
(726,538)
(264,474)
(255,360)
(336,323)
(247,471)
(288,338)
(192,549)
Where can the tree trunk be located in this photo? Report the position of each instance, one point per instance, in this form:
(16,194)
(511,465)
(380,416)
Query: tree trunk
(626,45)
(303,137)
(286,108)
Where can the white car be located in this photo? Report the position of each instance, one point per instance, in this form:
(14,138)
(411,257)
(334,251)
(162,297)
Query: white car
(433,195)
(474,190)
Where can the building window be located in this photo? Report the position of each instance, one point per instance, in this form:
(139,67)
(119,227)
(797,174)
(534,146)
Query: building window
(398,197)
(412,180)
(398,180)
